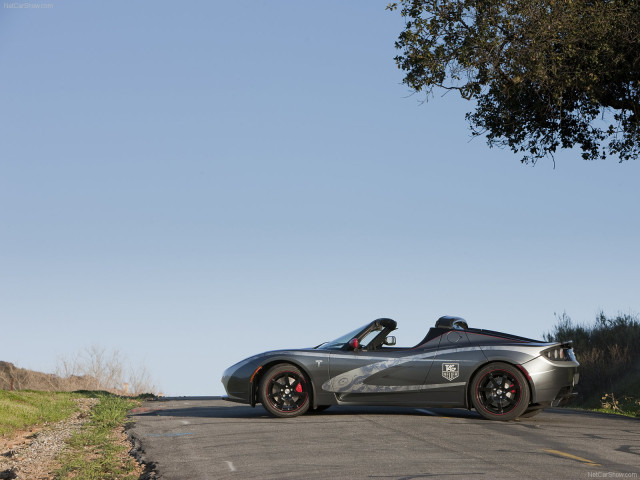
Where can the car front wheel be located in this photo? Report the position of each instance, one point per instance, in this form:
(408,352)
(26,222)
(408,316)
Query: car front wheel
(499,391)
(284,391)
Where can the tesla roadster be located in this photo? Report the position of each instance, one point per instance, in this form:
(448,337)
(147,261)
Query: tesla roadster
(501,376)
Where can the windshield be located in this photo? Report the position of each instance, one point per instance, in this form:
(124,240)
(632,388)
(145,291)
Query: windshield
(341,341)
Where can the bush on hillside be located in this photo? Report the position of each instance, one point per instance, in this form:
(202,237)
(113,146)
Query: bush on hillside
(608,350)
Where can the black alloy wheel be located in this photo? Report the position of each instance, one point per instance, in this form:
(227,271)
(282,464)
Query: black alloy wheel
(499,391)
(284,391)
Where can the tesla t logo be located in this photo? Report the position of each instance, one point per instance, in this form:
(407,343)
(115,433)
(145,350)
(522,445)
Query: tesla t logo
(318,362)
(450,371)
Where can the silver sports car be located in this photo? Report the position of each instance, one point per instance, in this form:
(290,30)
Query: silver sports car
(502,376)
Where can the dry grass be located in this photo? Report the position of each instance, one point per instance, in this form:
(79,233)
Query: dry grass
(15,378)
(94,368)
(106,370)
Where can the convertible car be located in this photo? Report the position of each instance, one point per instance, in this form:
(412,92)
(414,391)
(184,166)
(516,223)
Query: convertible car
(502,376)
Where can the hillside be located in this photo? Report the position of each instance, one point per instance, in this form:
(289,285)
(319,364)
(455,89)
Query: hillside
(15,378)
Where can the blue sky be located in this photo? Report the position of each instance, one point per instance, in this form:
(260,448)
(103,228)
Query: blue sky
(195,182)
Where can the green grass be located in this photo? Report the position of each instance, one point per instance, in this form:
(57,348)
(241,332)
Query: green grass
(624,413)
(24,409)
(623,400)
(93,452)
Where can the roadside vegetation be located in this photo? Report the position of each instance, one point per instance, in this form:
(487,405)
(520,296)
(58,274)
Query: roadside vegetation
(93,368)
(609,354)
(99,451)
(21,410)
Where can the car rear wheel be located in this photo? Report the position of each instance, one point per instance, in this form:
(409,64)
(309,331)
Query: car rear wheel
(499,391)
(284,391)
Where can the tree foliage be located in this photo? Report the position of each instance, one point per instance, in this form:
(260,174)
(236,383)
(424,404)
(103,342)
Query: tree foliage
(544,74)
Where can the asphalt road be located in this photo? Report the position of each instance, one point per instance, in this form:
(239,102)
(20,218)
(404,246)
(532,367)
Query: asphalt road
(207,438)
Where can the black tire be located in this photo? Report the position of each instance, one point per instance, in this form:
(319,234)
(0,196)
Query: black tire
(499,391)
(284,391)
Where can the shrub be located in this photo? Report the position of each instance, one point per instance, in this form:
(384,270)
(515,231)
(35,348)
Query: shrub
(607,350)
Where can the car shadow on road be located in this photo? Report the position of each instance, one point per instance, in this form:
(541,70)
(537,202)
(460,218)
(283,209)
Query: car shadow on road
(200,412)
(574,412)
(247,412)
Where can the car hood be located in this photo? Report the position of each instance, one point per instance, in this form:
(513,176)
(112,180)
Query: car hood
(261,357)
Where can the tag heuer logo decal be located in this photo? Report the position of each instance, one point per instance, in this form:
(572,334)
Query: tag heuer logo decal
(450,371)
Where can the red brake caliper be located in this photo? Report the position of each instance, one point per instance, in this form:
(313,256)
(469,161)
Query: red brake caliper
(299,388)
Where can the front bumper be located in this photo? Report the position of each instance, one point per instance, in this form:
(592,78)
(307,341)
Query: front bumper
(237,381)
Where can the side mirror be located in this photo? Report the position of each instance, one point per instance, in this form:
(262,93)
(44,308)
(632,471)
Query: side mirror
(390,341)
(353,343)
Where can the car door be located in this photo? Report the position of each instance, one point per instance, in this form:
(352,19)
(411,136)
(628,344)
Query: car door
(390,376)
(452,366)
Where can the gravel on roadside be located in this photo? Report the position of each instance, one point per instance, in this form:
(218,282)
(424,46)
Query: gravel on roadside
(35,457)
